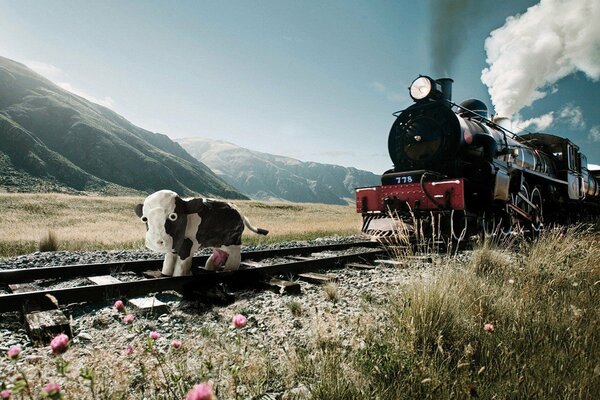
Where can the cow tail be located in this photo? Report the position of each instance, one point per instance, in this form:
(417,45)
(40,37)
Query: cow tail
(260,231)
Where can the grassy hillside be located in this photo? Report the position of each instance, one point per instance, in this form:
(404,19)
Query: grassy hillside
(49,134)
(94,223)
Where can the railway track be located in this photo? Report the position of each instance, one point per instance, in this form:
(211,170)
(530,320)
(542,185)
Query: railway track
(24,292)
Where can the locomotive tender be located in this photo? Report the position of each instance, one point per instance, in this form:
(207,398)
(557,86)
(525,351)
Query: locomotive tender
(458,170)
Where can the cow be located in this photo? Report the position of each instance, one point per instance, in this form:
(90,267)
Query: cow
(178,227)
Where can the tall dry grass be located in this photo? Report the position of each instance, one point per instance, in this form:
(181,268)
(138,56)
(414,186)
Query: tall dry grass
(100,223)
(509,324)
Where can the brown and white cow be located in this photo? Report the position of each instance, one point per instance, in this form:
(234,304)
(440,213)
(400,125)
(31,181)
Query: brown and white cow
(178,227)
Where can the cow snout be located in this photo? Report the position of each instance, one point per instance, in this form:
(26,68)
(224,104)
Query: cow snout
(157,243)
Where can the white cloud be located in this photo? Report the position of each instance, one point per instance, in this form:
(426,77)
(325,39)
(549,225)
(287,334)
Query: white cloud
(394,97)
(57,75)
(377,86)
(534,124)
(573,115)
(44,69)
(594,134)
(532,51)
(106,101)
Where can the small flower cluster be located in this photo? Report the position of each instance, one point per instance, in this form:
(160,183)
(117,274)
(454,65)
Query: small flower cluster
(203,391)
(120,307)
(60,344)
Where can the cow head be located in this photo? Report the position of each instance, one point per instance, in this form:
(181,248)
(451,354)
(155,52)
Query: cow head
(165,216)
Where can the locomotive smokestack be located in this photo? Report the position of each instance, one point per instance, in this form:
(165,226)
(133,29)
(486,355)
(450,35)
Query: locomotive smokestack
(446,85)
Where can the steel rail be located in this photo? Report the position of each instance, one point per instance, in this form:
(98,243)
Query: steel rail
(184,284)
(139,266)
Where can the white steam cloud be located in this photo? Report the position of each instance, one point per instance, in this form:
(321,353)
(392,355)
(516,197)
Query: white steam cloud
(569,114)
(536,124)
(534,50)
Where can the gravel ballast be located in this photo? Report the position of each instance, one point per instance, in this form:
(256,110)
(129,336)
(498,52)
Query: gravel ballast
(276,322)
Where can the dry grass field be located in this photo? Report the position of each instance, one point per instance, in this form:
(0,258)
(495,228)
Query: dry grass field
(101,223)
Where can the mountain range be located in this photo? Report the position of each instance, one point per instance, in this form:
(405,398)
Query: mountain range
(265,176)
(54,140)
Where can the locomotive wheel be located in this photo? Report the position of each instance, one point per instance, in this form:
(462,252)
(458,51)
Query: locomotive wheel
(515,225)
(489,224)
(538,215)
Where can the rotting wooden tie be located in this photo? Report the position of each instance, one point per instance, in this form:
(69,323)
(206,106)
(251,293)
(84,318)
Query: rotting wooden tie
(103,279)
(43,319)
(360,266)
(152,274)
(251,264)
(313,277)
(300,258)
(283,287)
(392,263)
(148,305)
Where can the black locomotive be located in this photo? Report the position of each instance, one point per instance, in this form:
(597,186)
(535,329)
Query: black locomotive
(458,170)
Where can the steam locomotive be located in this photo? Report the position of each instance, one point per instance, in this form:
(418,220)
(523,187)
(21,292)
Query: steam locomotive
(459,171)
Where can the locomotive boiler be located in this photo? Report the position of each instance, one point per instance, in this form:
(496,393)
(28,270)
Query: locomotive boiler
(461,171)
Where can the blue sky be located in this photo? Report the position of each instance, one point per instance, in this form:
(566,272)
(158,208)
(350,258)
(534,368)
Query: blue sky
(313,80)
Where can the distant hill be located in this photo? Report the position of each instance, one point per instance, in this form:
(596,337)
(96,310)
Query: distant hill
(53,140)
(265,176)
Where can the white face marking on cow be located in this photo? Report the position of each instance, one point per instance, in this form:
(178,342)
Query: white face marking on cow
(157,208)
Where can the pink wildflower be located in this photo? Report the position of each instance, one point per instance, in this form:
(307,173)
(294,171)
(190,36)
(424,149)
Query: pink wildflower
(5,394)
(154,335)
(119,305)
(239,321)
(129,350)
(128,318)
(202,391)
(488,327)
(176,343)
(13,352)
(59,344)
(52,389)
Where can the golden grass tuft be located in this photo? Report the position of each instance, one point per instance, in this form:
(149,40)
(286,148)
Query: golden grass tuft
(48,242)
(105,223)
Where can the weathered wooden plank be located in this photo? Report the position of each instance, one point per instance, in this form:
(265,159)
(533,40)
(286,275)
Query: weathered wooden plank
(313,277)
(283,287)
(152,274)
(300,258)
(251,264)
(42,326)
(360,266)
(392,263)
(103,279)
(148,305)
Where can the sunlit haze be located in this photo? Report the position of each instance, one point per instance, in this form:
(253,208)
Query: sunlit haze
(313,80)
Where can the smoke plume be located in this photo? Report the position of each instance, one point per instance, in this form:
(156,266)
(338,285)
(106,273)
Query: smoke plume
(532,51)
(449,31)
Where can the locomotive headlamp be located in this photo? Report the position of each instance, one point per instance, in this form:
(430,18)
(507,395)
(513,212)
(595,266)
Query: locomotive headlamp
(425,88)
(421,87)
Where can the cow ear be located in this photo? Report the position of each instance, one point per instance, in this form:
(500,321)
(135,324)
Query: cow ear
(194,206)
(138,210)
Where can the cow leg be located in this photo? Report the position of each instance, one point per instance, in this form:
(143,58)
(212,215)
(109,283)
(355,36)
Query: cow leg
(234,258)
(183,267)
(169,264)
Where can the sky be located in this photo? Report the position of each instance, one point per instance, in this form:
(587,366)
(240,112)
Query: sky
(314,80)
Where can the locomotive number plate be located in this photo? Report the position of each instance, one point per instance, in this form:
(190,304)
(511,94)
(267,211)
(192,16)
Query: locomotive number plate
(404,179)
